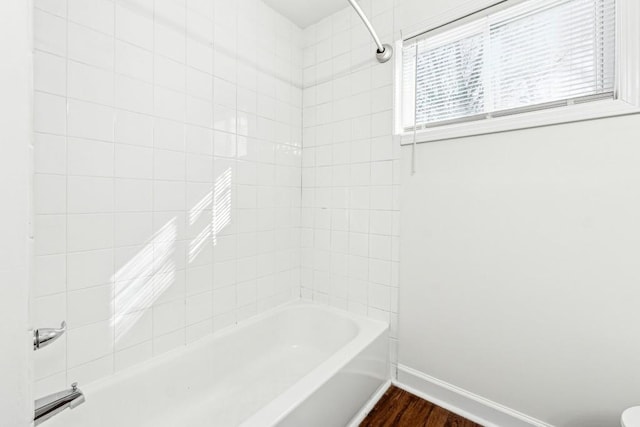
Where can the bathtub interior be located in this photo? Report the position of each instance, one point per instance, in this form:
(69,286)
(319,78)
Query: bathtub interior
(222,380)
(268,359)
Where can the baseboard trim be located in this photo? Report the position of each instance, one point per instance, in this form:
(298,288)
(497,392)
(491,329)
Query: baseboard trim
(355,422)
(462,402)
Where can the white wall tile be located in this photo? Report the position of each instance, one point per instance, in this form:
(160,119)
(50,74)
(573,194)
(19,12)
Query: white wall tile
(199,330)
(168,317)
(88,343)
(89,268)
(168,342)
(199,140)
(56,7)
(169,196)
(133,228)
(133,355)
(89,195)
(133,128)
(50,274)
(133,61)
(199,112)
(169,73)
(50,194)
(89,158)
(50,154)
(133,95)
(132,206)
(133,195)
(199,279)
(199,27)
(224,300)
(51,362)
(169,165)
(52,234)
(348,169)
(199,168)
(89,83)
(199,308)
(49,73)
(50,384)
(169,286)
(49,309)
(169,134)
(199,84)
(135,24)
(89,305)
(50,32)
(133,162)
(170,41)
(93,370)
(90,231)
(169,104)
(133,328)
(50,113)
(96,14)
(90,47)
(199,55)
(93,121)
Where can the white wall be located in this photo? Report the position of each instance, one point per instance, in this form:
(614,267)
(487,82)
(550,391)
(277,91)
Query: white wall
(519,274)
(167,187)
(15,165)
(350,168)
(520,279)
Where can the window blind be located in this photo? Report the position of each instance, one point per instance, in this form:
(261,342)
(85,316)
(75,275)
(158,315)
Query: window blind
(538,54)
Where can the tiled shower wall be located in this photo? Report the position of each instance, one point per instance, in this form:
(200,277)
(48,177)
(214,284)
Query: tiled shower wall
(168,169)
(350,213)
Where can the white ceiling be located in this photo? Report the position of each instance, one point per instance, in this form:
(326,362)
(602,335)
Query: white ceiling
(306,12)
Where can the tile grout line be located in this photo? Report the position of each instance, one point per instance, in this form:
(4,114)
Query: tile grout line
(234,188)
(213,178)
(66,214)
(185,118)
(182,330)
(113,207)
(151,309)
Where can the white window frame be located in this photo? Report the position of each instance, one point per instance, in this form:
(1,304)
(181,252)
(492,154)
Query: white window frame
(627,84)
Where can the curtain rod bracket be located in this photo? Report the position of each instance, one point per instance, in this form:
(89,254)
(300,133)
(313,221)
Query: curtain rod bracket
(385,51)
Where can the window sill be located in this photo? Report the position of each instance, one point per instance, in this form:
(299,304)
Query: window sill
(555,116)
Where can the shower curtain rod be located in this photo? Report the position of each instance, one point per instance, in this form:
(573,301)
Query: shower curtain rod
(385,51)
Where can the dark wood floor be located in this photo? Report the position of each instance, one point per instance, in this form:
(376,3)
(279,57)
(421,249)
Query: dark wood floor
(398,408)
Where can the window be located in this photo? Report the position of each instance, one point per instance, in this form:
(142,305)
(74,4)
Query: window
(533,63)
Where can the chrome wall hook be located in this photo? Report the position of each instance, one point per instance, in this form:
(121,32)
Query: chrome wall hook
(44,336)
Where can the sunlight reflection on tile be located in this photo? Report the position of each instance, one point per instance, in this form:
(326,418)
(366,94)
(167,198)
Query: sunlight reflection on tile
(200,207)
(222,203)
(141,280)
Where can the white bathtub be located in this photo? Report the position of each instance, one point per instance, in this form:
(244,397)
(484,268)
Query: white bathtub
(299,365)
